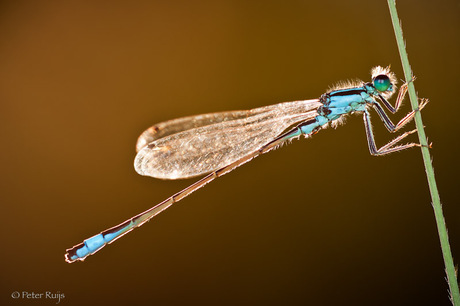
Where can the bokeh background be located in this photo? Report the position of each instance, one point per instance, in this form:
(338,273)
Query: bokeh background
(318,222)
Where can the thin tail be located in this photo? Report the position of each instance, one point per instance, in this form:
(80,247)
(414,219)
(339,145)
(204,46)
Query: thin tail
(91,245)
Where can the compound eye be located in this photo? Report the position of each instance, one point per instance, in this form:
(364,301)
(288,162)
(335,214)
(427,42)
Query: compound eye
(382,82)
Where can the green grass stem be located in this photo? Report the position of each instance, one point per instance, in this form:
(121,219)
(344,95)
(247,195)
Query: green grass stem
(440,222)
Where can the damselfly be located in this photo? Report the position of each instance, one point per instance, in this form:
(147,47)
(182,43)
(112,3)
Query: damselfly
(215,144)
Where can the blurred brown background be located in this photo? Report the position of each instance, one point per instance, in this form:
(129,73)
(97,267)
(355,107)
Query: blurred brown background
(318,222)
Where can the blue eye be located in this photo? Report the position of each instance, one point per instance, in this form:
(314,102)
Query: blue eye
(382,82)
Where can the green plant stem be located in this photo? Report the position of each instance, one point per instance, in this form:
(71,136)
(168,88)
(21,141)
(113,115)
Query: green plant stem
(440,222)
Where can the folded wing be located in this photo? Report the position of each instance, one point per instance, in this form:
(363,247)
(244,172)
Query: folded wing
(196,145)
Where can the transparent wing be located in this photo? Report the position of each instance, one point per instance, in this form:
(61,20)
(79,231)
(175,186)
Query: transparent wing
(174,126)
(197,145)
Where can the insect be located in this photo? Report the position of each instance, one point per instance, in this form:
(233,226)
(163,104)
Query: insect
(215,144)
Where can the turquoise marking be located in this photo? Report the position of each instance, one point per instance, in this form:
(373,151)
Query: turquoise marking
(97,242)
(341,102)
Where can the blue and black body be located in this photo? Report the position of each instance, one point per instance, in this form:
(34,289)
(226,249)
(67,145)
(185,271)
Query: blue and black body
(328,110)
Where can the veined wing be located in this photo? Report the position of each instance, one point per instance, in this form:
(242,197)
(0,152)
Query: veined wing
(197,145)
(174,126)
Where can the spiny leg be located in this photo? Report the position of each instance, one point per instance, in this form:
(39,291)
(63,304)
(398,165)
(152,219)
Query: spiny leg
(398,139)
(387,121)
(389,147)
